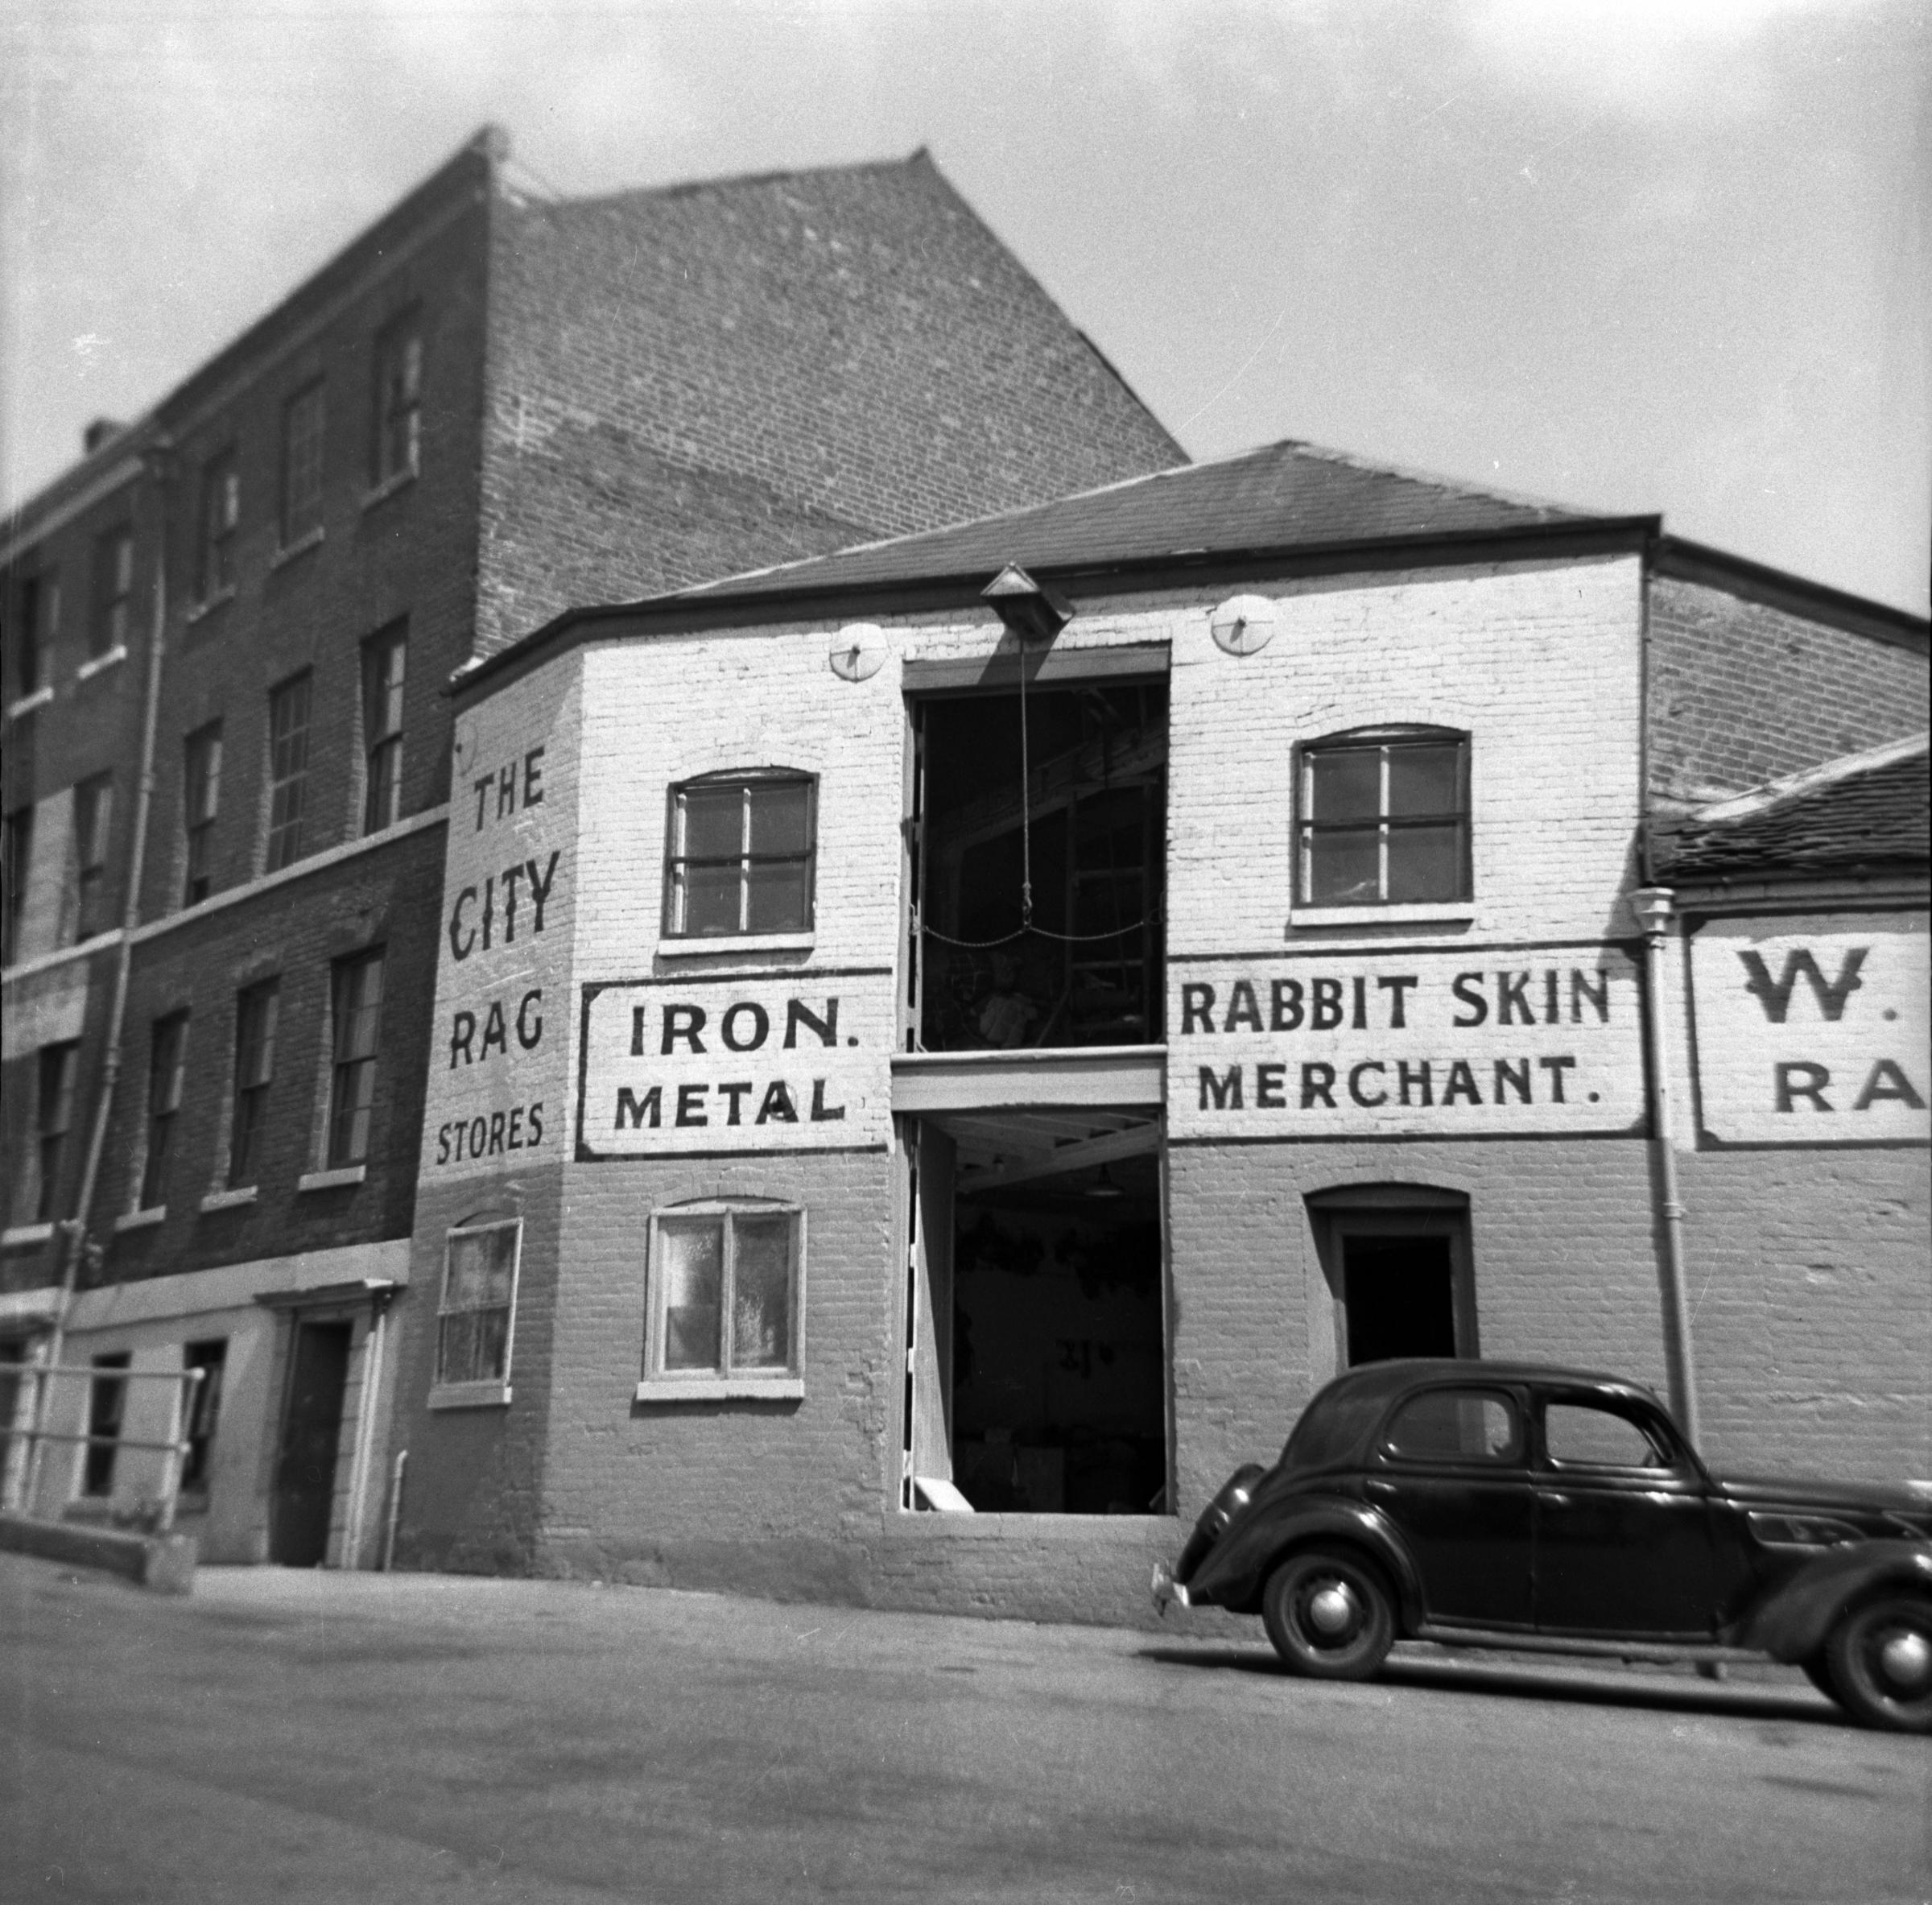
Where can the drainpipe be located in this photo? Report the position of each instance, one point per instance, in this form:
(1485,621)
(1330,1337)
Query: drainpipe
(1654,909)
(159,457)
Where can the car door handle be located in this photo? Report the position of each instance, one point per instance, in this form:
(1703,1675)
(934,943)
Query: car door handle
(1552,1500)
(1385,1489)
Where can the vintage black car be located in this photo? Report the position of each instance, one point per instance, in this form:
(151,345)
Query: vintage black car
(1506,1505)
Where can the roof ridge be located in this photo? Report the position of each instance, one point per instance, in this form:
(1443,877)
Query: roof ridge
(1437,479)
(1809,780)
(687,188)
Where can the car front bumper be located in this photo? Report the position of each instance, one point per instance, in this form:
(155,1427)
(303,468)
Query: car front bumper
(1167,1591)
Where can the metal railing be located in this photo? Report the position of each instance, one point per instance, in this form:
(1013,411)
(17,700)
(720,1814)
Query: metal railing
(176,1449)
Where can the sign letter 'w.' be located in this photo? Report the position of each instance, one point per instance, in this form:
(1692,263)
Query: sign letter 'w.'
(1774,995)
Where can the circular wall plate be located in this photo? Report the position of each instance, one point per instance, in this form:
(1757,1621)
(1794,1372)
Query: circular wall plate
(1243,624)
(858,651)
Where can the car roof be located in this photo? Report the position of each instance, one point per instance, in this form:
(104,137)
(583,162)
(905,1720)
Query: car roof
(1405,1373)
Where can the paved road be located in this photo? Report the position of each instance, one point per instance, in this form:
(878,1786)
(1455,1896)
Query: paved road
(288,1737)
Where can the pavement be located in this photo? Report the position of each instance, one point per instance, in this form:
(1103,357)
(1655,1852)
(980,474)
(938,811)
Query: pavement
(287,1737)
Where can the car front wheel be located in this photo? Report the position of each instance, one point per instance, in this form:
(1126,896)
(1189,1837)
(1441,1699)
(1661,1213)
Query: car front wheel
(1879,1656)
(1329,1616)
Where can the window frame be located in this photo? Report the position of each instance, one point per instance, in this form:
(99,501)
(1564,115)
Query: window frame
(93,820)
(254,1053)
(1384,738)
(677,862)
(113,618)
(16,861)
(166,1075)
(352,1073)
(303,461)
(1663,1445)
(447,1391)
(217,525)
(37,622)
(396,400)
(106,1417)
(656,1383)
(200,806)
(53,1119)
(383,700)
(288,784)
(203,1418)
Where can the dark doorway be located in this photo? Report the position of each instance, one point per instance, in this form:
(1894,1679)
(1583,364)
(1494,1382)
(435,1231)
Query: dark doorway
(311,1429)
(1401,1296)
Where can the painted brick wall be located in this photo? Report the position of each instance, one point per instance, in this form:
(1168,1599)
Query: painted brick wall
(1740,693)
(1811,1308)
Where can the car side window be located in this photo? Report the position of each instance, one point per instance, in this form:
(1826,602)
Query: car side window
(1579,1435)
(1456,1425)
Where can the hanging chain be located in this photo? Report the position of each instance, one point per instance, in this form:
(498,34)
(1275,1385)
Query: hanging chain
(1025,807)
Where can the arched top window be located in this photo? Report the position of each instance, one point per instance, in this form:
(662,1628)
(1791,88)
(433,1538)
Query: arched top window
(1383,818)
(741,852)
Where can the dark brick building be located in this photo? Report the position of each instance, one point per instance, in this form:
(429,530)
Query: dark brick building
(227,634)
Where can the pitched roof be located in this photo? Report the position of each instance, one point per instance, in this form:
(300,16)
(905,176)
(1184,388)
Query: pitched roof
(1286,494)
(1868,812)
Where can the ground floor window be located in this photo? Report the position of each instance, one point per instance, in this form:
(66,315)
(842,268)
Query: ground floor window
(203,1413)
(724,1287)
(1037,1334)
(106,1402)
(478,1307)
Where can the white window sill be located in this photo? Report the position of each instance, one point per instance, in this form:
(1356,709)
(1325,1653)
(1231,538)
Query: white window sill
(738,942)
(388,487)
(206,606)
(21,1235)
(719,1389)
(100,663)
(141,1220)
(39,698)
(1456,912)
(300,546)
(331,1180)
(228,1199)
(469,1395)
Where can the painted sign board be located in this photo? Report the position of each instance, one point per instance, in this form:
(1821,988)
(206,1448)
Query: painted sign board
(1460,1041)
(707,1063)
(498,1071)
(1812,1029)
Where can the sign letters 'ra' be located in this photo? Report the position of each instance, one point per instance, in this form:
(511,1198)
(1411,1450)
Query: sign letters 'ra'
(702,1065)
(1812,1030)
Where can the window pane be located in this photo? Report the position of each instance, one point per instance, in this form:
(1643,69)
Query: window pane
(1345,784)
(481,1264)
(1425,863)
(690,1279)
(1344,866)
(1445,1426)
(780,897)
(714,823)
(760,1293)
(1424,780)
(1595,1438)
(780,817)
(711,899)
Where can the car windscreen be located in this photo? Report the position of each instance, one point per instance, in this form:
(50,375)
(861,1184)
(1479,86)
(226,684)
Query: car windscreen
(1333,1428)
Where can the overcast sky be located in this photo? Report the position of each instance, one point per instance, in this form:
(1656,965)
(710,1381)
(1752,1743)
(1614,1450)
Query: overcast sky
(1629,254)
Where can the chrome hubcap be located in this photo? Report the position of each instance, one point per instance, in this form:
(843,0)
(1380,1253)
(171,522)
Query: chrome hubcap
(1906,1658)
(1331,1608)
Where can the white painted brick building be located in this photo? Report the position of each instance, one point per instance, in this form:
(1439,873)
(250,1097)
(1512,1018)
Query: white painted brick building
(916,1100)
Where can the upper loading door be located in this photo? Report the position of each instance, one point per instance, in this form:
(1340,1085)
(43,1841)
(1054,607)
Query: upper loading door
(1040,831)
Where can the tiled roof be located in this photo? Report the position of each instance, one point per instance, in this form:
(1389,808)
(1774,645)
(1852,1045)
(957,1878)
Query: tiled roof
(1868,812)
(1285,494)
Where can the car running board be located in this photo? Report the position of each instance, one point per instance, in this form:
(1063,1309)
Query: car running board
(1661,1651)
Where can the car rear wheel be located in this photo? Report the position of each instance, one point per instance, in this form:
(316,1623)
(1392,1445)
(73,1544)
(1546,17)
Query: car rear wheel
(1880,1658)
(1329,1616)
